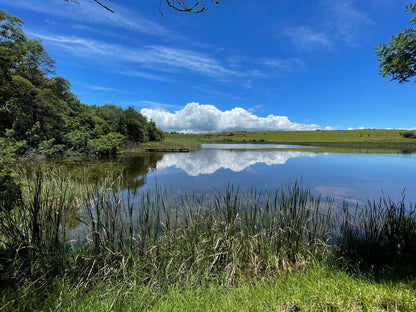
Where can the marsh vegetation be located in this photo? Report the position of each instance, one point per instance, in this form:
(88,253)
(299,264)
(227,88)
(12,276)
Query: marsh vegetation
(156,241)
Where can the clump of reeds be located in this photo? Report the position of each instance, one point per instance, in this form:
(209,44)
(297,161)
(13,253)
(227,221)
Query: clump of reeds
(381,234)
(196,237)
(157,238)
(33,233)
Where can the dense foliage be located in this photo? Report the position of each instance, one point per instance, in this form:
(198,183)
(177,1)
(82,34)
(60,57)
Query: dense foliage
(397,59)
(40,112)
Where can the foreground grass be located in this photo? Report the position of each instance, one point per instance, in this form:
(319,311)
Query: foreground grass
(338,138)
(318,287)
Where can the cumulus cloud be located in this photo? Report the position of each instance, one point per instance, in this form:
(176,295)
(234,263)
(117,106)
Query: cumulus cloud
(197,118)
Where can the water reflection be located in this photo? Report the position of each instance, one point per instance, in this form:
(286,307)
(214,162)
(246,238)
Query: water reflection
(208,161)
(134,168)
(253,146)
(353,177)
(350,177)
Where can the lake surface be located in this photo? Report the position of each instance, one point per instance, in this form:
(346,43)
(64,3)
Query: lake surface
(348,176)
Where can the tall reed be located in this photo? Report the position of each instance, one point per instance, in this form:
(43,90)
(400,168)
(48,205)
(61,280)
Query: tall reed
(380,234)
(158,238)
(33,234)
(194,237)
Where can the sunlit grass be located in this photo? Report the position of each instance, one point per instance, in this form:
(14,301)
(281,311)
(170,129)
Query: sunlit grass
(319,287)
(359,139)
(168,143)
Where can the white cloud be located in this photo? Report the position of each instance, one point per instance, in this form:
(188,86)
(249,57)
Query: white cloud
(345,19)
(102,88)
(88,12)
(254,108)
(182,58)
(285,65)
(151,57)
(165,59)
(196,118)
(140,74)
(303,37)
(208,161)
(343,22)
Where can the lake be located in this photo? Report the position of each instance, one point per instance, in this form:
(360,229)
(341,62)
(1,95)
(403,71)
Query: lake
(353,177)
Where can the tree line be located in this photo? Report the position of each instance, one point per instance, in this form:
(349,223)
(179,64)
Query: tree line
(40,115)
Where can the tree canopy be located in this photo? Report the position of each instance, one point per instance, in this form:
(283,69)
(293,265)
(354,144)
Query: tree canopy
(397,59)
(38,111)
(40,114)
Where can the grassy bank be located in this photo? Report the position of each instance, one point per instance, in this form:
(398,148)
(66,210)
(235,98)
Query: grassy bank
(169,142)
(317,288)
(285,250)
(367,138)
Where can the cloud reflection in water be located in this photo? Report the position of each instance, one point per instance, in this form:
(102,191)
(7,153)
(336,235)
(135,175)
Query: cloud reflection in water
(208,161)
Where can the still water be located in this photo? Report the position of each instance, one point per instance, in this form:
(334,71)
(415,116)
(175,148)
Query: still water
(347,176)
(352,177)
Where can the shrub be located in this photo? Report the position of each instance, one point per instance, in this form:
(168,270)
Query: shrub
(50,149)
(107,144)
(409,135)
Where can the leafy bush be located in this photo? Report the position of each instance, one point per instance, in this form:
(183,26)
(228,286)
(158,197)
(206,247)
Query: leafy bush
(107,144)
(50,149)
(77,140)
(409,135)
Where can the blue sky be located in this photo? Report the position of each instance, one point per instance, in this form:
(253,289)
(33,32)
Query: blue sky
(286,64)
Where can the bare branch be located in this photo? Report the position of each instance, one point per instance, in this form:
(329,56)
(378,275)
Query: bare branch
(105,7)
(96,1)
(189,6)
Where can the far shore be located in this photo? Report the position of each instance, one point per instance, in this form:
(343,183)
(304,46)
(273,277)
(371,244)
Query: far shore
(360,141)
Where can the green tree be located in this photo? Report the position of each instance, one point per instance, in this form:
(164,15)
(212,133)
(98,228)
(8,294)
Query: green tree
(397,59)
(12,51)
(135,126)
(155,134)
(40,113)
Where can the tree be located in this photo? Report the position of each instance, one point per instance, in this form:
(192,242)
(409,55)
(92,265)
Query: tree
(397,59)
(39,113)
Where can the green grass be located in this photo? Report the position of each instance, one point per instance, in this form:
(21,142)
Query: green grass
(367,138)
(168,143)
(319,287)
(335,141)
